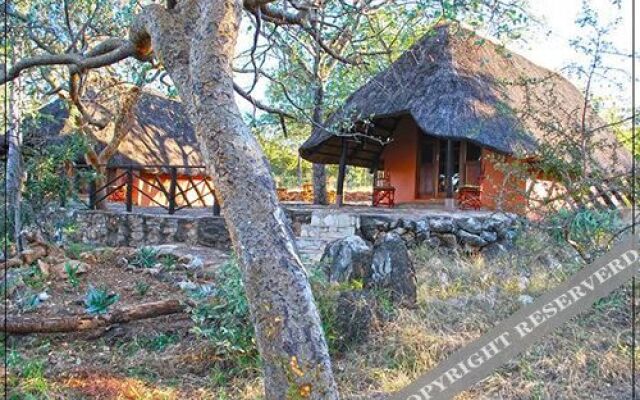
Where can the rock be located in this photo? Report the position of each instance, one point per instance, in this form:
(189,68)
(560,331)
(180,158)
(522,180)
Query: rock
(89,257)
(355,318)
(442,225)
(448,240)
(433,242)
(525,299)
(29,256)
(471,239)
(422,230)
(493,250)
(152,271)
(195,263)
(392,269)
(471,225)
(187,285)
(493,224)
(510,235)
(122,262)
(549,261)
(60,270)
(489,237)
(370,227)
(165,250)
(45,268)
(523,282)
(346,259)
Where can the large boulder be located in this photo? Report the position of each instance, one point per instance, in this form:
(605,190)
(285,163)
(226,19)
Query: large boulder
(347,259)
(392,269)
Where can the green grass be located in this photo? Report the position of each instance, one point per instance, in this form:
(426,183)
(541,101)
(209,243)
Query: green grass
(74,249)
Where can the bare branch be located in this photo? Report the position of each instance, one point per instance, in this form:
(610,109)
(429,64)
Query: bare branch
(109,52)
(260,105)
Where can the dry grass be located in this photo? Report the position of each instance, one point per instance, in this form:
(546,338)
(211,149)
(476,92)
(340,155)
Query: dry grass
(459,298)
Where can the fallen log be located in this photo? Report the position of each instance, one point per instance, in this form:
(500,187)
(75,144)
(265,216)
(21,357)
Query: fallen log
(11,262)
(85,322)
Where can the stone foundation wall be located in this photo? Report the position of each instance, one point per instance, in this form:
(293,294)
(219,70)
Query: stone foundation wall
(490,232)
(313,229)
(119,229)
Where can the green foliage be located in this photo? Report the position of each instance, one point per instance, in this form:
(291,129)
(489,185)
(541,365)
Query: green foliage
(46,182)
(141,288)
(586,227)
(145,257)
(34,278)
(74,249)
(224,319)
(159,342)
(168,261)
(72,275)
(98,300)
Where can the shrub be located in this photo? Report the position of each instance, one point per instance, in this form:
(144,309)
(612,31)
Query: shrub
(142,288)
(224,319)
(145,257)
(585,227)
(72,275)
(98,300)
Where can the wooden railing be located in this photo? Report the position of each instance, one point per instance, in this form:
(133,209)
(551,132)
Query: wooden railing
(131,179)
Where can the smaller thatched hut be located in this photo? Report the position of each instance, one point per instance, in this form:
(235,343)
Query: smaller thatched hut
(160,137)
(440,115)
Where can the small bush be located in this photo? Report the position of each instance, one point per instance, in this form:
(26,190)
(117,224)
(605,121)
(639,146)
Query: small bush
(72,275)
(74,249)
(224,319)
(97,301)
(142,288)
(586,228)
(145,257)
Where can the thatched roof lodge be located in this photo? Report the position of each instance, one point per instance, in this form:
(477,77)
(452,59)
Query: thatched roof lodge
(451,101)
(160,135)
(161,138)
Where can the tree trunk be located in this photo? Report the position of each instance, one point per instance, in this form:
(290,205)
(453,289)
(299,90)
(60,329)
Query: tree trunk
(14,166)
(320,184)
(196,42)
(319,170)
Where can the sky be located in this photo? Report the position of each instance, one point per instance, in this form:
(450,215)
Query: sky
(547,44)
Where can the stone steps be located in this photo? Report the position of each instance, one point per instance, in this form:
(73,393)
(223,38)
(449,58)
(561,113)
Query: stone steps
(325,227)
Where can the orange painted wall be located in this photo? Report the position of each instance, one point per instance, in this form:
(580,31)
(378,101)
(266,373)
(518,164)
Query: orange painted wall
(400,159)
(495,191)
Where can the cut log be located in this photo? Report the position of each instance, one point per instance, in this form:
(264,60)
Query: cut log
(12,262)
(85,322)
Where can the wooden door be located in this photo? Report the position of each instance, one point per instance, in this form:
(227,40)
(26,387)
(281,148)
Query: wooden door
(427,168)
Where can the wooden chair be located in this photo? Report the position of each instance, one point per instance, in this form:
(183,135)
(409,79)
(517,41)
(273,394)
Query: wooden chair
(469,197)
(383,191)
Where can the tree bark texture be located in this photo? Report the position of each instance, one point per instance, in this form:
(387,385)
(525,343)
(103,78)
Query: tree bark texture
(196,43)
(319,170)
(15,170)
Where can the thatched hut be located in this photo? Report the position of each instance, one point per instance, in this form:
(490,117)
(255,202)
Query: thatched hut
(438,116)
(160,137)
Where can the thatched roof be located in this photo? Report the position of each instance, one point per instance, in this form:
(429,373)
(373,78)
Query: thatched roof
(161,133)
(457,85)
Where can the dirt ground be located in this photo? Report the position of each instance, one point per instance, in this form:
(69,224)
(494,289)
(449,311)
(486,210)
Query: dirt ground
(459,298)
